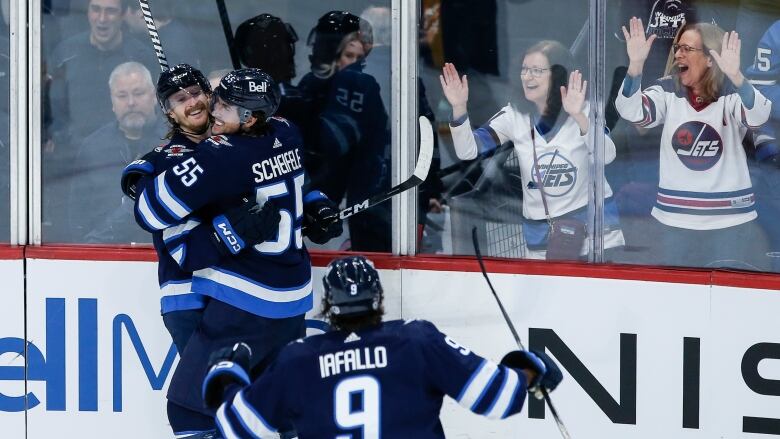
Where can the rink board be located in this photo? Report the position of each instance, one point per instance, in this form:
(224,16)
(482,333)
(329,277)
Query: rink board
(11,344)
(700,355)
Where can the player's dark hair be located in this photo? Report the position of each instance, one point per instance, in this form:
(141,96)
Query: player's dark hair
(352,323)
(261,127)
(561,61)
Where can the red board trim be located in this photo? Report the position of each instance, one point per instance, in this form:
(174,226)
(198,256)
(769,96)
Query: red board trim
(446,263)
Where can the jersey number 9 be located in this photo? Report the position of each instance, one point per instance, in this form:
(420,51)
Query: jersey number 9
(367,417)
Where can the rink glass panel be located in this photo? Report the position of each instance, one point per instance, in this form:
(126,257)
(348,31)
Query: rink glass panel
(485,192)
(5,132)
(634,174)
(488,45)
(81,198)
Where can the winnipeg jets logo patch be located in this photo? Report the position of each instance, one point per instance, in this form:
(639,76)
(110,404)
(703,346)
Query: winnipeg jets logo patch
(351,337)
(698,145)
(176,150)
(219,140)
(277,143)
(558,174)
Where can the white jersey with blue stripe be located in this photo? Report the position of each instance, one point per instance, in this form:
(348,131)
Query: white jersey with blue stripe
(386,381)
(271,279)
(704,182)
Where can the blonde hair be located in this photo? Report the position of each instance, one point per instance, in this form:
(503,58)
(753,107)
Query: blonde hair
(326,70)
(712,39)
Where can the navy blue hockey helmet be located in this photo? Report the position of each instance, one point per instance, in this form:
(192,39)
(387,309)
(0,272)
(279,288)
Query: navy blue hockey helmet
(352,286)
(331,28)
(251,90)
(267,43)
(178,78)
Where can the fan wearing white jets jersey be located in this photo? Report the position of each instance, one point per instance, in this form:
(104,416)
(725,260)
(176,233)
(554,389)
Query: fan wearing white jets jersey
(705,202)
(367,378)
(548,124)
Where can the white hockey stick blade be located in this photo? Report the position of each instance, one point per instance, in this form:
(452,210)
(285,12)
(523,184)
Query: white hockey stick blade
(426,149)
(421,169)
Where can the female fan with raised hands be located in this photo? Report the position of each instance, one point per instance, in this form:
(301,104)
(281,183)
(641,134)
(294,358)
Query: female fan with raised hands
(705,204)
(548,124)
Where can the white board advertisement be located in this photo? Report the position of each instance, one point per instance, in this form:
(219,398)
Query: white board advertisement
(641,359)
(12,392)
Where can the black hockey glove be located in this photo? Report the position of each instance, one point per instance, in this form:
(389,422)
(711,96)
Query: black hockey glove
(548,375)
(132,173)
(245,226)
(321,220)
(227,366)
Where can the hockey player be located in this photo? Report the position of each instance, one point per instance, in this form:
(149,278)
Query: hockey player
(367,377)
(351,158)
(705,203)
(183,94)
(262,292)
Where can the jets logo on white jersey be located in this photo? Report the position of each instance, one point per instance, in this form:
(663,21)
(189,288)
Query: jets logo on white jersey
(698,145)
(557,172)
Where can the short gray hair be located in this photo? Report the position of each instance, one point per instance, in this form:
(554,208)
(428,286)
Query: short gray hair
(129,68)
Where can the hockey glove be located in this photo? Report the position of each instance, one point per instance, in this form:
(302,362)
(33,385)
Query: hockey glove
(227,366)
(321,218)
(548,375)
(245,226)
(132,173)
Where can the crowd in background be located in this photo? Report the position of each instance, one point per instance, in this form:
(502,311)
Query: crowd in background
(99,113)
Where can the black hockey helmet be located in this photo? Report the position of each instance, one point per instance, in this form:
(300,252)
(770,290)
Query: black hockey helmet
(251,90)
(352,286)
(331,28)
(266,42)
(178,78)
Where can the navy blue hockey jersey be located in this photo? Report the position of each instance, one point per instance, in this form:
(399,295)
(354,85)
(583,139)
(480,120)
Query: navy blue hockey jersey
(765,74)
(387,381)
(272,279)
(175,282)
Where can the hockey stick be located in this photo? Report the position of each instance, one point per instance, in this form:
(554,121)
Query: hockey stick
(419,175)
(228,30)
(542,392)
(153,35)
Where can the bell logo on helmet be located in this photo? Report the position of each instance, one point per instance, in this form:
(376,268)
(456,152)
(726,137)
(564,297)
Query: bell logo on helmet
(255,88)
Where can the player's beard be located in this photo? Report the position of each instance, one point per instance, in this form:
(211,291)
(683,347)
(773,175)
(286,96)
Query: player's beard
(193,128)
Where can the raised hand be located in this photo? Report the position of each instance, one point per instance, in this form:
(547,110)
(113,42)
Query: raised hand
(637,46)
(456,89)
(728,58)
(573,97)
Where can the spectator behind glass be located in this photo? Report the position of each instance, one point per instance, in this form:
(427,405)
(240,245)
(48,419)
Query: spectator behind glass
(764,74)
(352,156)
(554,103)
(82,62)
(705,203)
(98,210)
(176,37)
